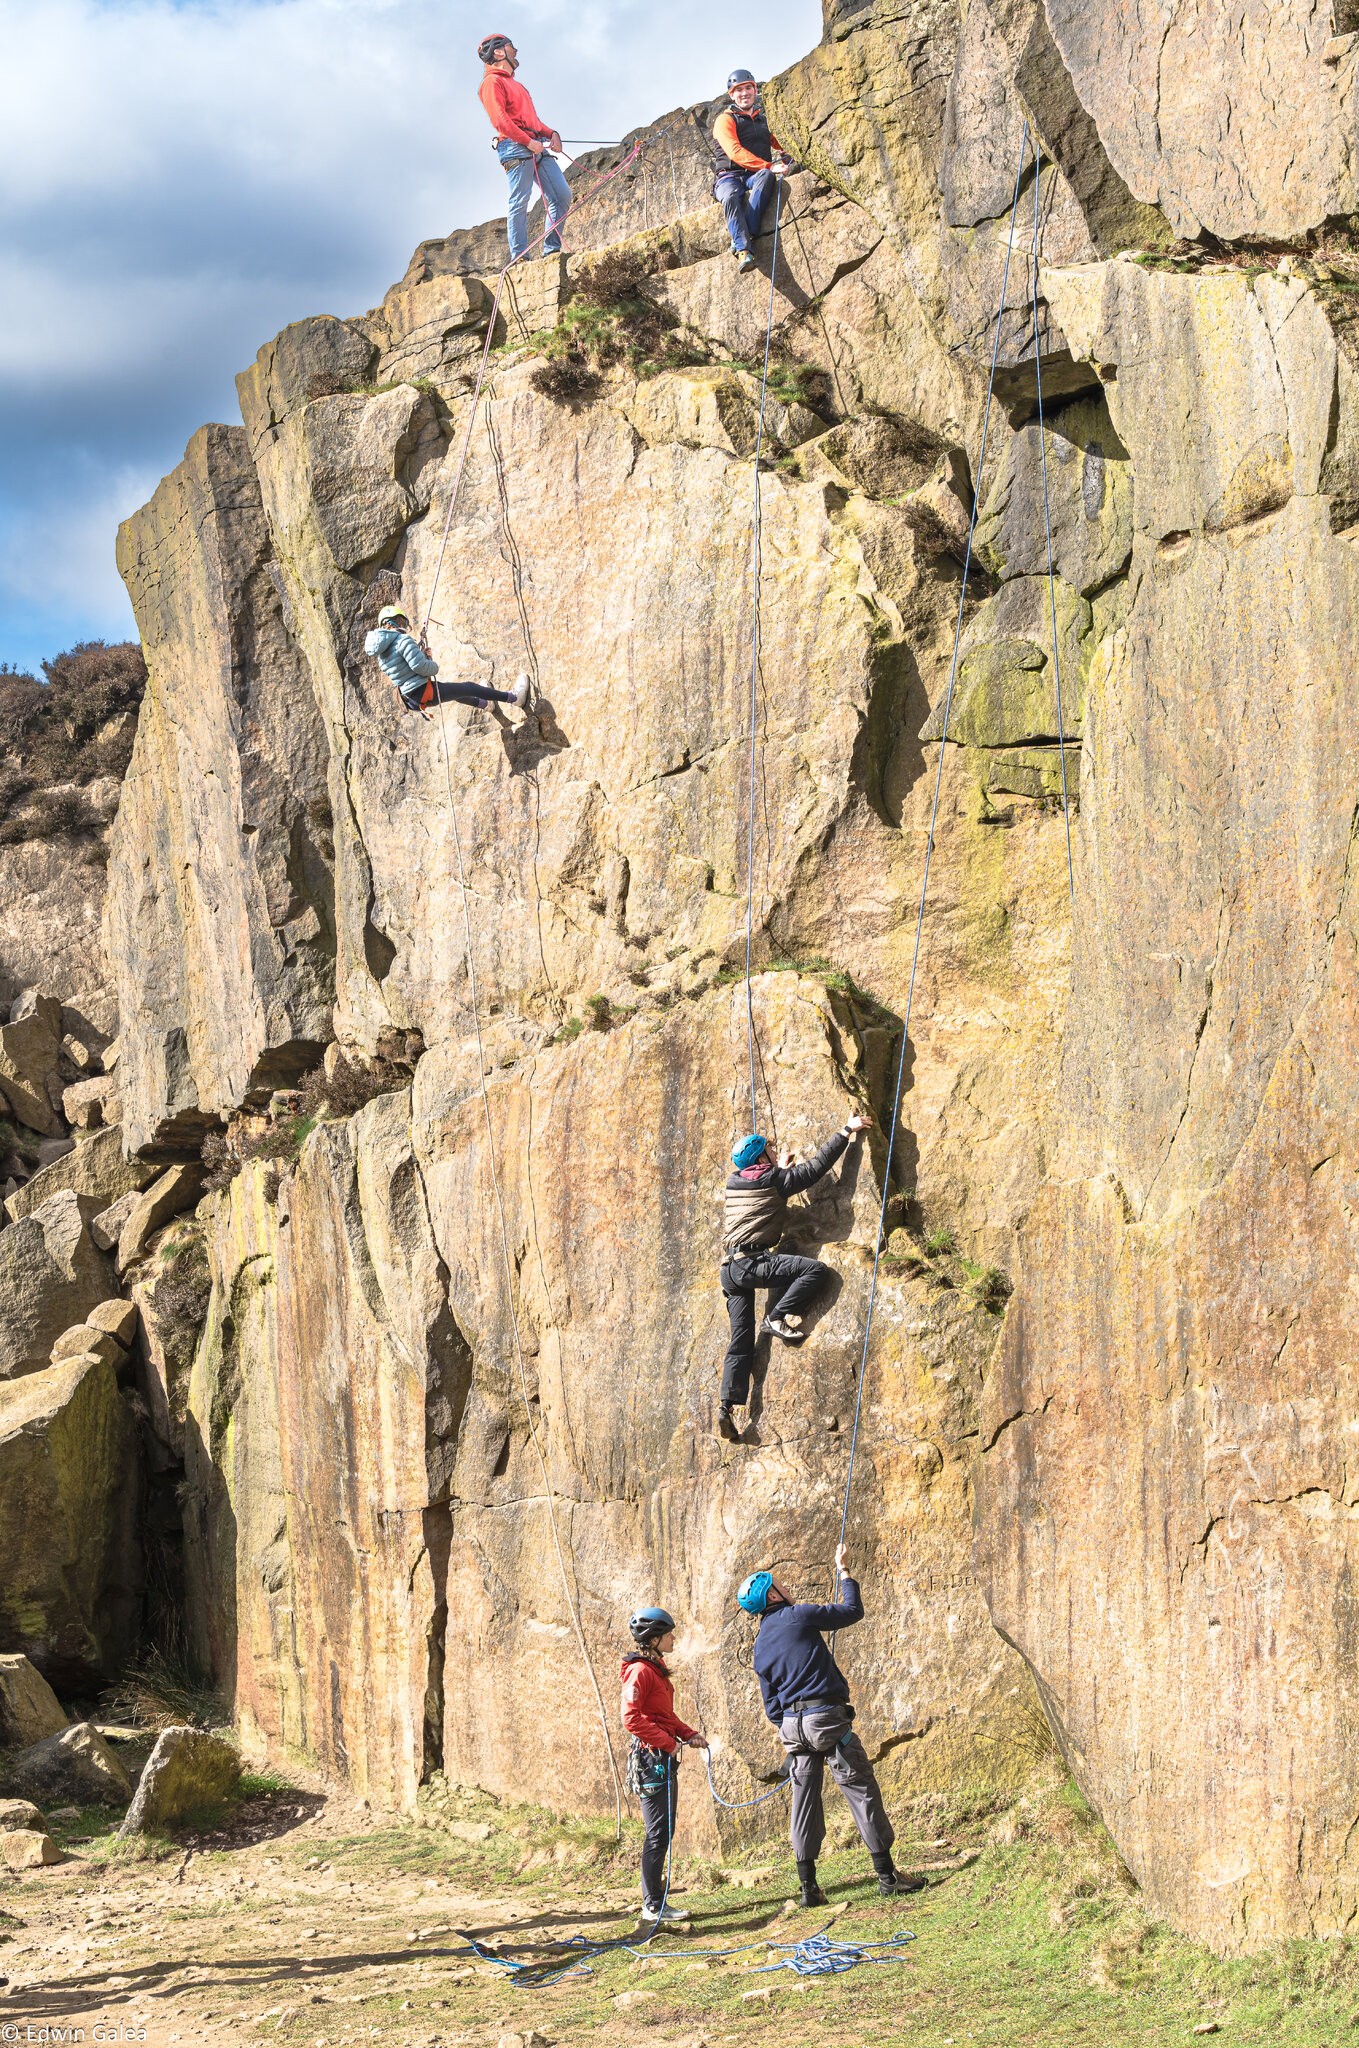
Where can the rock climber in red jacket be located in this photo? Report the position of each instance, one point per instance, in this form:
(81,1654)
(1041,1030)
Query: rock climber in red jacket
(658,1735)
(524,146)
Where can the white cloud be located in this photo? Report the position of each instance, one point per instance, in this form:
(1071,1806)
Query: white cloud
(59,556)
(177,181)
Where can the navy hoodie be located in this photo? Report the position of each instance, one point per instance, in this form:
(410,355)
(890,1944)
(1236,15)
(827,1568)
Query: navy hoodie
(793,1662)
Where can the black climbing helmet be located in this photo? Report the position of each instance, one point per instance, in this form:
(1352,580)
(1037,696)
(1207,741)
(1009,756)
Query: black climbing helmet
(649,1624)
(741,78)
(490,47)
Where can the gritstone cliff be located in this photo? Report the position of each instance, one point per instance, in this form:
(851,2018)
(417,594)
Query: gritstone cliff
(1136,1479)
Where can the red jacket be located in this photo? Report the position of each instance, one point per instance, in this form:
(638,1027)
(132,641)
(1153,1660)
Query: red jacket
(511,111)
(649,1704)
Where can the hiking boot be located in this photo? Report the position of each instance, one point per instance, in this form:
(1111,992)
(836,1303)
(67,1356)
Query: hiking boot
(727,1427)
(665,1916)
(784,1328)
(893,1884)
(522,693)
(812,1895)
(744,259)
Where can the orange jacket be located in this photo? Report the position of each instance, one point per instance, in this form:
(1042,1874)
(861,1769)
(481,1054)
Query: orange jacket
(510,110)
(727,135)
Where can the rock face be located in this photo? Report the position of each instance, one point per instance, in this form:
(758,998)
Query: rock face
(20,1813)
(219,905)
(376,1585)
(1140,1103)
(186,1772)
(50,1275)
(27,1849)
(70,1569)
(1198,109)
(1173,1359)
(29,1709)
(76,1765)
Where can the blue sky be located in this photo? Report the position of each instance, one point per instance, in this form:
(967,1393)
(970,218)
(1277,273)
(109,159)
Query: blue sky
(178,181)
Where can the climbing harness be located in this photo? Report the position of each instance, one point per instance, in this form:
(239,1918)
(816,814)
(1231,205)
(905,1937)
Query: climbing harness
(929,851)
(648,1770)
(755,665)
(1047,518)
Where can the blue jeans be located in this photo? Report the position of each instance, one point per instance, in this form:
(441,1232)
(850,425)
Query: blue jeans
(745,195)
(520,164)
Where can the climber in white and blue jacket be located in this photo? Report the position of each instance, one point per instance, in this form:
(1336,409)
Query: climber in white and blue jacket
(404,662)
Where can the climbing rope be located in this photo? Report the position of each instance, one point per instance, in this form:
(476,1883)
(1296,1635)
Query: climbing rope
(455,495)
(461,471)
(556,1968)
(1047,518)
(816,1955)
(929,850)
(567,1588)
(755,667)
(742,1805)
(509,1284)
(819,1956)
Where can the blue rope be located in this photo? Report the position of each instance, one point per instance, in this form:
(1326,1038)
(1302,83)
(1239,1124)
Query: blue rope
(740,1805)
(755,666)
(816,1955)
(1047,521)
(532,1976)
(819,1956)
(929,849)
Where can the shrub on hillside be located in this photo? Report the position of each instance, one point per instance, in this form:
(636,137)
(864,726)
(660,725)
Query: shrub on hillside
(71,728)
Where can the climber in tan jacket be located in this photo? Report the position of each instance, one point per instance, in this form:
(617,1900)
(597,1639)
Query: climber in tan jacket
(755,1204)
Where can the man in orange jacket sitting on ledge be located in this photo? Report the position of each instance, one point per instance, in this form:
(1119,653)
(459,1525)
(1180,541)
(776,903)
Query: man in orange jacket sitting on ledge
(523,144)
(748,161)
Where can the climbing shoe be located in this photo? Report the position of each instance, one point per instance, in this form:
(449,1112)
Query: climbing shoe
(787,1331)
(744,259)
(522,693)
(893,1884)
(727,1426)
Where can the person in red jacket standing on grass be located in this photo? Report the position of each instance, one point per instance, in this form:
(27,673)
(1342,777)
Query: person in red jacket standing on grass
(522,143)
(658,1735)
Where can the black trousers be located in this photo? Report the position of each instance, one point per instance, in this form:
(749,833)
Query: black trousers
(793,1282)
(432,691)
(658,1812)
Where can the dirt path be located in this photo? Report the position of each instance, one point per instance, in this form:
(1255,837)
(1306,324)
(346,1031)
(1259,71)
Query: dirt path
(292,1925)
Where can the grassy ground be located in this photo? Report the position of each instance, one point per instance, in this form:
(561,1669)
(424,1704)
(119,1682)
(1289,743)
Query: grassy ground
(302,1919)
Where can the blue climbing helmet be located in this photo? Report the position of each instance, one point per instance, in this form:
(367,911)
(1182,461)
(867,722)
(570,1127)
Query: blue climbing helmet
(741,78)
(747,1152)
(755,1591)
(648,1623)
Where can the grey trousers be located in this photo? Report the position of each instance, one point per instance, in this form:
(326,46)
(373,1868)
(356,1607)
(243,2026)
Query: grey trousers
(811,1739)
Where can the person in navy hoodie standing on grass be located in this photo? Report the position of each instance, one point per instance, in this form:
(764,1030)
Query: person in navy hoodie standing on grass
(806,1696)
